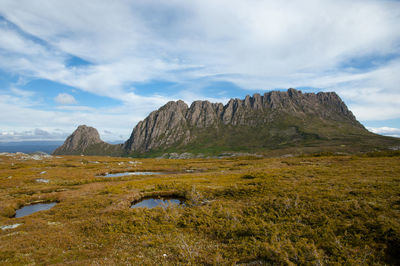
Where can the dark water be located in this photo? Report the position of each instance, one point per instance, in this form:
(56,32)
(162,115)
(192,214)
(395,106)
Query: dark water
(132,173)
(26,210)
(155,202)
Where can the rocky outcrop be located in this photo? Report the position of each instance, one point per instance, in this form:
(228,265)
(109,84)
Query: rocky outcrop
(177,124)
(161,128)
(272,121)
(86,140)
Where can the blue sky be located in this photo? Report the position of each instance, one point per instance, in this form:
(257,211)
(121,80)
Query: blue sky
(108,64)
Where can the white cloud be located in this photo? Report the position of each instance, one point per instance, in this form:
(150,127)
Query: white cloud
(254,44)
(21,116)
(65,98)
(31,135)
(22,93)
(387,131)
(260,41)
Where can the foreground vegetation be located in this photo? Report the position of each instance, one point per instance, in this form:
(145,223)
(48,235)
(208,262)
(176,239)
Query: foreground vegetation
(314,210)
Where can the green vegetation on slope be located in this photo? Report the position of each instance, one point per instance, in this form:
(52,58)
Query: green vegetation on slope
(285,135)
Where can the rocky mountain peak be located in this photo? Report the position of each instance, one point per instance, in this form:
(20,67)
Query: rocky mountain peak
(272,120)
(80,140)
(175,122)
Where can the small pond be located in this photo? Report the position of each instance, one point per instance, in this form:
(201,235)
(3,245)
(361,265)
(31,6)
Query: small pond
(26,210)
(42,180)
(132,173)
(163,202)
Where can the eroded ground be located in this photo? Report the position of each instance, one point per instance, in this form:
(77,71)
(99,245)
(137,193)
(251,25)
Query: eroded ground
(303,210)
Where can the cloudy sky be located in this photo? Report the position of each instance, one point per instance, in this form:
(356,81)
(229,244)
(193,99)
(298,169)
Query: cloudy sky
(108,64)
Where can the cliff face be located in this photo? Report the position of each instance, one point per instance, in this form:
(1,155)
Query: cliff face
(275,116)
(86,140)
(162,127)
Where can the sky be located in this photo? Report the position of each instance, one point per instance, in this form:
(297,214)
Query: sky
(108,64)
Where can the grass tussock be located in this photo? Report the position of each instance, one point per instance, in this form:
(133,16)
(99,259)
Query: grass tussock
(309,210)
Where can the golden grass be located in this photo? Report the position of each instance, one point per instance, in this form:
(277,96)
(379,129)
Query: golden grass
(286,211)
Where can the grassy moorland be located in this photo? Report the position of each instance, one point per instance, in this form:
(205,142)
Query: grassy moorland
(313,210)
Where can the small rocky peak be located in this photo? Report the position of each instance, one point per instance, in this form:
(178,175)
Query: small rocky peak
(254,102)
(273,99)
(200,104)
(230,109)
(293,93)
(86,134)
(201,114)
(181,105)
(79,140)
(247,101)
(329,97)
(169,114)
(175,106)
(257,101)
(197,107)
(335,103)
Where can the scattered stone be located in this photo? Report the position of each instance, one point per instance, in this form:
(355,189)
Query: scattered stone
(12,226)
(174,155)
(287,155)
(36,157)
(23,156)
(53,223)
(42,173)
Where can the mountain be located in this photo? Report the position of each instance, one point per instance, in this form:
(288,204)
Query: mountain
(86,140)
(276,121)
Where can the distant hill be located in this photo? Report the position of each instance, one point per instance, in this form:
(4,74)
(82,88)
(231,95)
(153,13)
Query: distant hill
(280,121)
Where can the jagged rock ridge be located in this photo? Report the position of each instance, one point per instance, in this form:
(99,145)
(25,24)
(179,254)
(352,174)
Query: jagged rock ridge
(276,120)
(177,123)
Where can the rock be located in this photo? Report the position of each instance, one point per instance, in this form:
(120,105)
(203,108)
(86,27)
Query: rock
(274,120)
(86,141)
(177,124)
(12,226)
(80,140)
(174,155)
(161,128)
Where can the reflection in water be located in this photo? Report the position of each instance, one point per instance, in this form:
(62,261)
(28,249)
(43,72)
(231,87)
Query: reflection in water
(26,210)
(132,173)
(155,202)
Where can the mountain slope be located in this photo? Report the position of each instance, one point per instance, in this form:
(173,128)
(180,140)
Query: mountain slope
(275,120)
(283,121)
(86,140)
